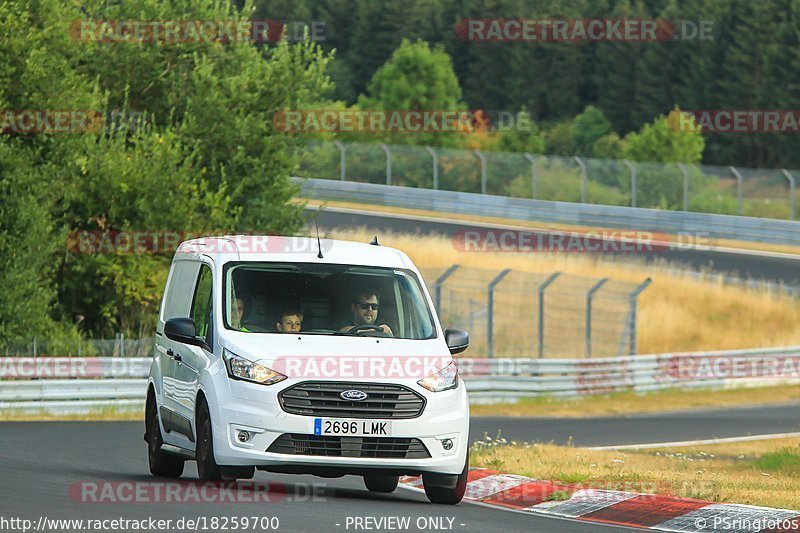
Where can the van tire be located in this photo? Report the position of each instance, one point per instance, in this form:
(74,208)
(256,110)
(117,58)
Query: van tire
(162,464)
(377,483)
(447,489)
(207,467)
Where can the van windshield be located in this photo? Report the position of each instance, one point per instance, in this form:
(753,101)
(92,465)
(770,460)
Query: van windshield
(325,300)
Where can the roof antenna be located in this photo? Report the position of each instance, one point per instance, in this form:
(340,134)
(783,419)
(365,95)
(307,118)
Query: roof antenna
(319,245)
(374,241)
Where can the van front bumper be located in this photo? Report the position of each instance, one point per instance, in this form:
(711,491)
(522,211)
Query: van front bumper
(255,413)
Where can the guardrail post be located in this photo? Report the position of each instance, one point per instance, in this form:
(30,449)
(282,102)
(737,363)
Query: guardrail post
(342,160)
(388,163)
(685,172)
(739,184)
(584,177)
(437,287)
(791,193)
(490,312)
(632,316)
(541,289)
(435,158)
(632,170)
(589,296)
(534,185)
(482,159)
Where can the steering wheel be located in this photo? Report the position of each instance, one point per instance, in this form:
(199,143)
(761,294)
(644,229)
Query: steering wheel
(365,327)
(369,327)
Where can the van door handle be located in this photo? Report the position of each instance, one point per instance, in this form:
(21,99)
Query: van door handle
(173,355)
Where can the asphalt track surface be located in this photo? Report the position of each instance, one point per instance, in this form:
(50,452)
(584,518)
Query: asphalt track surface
(47,467)
(778,268)
(644,428)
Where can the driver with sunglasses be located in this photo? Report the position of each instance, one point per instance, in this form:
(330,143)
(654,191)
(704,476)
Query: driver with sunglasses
(365,312)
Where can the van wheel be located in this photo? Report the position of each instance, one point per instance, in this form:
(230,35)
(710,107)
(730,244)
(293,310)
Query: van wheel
(207,467)
(381,483)
(446,489)
(162,464)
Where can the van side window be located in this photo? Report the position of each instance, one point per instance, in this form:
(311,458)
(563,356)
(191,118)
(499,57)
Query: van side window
(182,280)
(201,304)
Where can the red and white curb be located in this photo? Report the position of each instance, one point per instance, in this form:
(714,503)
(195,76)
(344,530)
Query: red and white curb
(649,511)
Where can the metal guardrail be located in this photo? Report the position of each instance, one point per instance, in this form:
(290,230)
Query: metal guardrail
(503,380)
(597,216)
(488,380)
(700,188)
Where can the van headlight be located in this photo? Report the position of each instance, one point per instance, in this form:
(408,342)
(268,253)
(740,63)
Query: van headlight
(444,379)
(241,368)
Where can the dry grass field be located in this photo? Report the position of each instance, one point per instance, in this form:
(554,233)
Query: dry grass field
(676,313)
(629,402)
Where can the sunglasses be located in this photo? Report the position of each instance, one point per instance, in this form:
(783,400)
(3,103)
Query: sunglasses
(366,305)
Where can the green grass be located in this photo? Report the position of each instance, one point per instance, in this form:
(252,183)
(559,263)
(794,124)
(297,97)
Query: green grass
(786,460)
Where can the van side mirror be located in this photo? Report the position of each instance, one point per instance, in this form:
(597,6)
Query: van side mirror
(457,340)
(181,329)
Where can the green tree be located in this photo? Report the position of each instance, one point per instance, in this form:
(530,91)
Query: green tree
(587,128)
(558,139)
(524,136)
(28,247)
(416,77)
(616,71)
(208,159)
(609,146)
(674,138)
(671,138)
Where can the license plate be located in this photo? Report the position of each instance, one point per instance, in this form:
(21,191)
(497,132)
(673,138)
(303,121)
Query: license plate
(357,428)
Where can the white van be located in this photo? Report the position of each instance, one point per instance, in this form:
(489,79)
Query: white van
(305,356)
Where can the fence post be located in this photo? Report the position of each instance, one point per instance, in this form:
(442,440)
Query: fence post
(122,344)
(437,287)
(791,193)
(435,158)
(482,159)
(388,163)
(739,184)
(34,346)
(534,185)
(632,316)
(541,289)
(632,170)
(589,296)
(342,160)
(584,177)
(490,312)
(685,172)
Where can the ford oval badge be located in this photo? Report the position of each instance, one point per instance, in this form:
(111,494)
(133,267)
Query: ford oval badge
(353,395)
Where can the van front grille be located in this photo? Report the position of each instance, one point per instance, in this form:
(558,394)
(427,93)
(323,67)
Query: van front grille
(322,398)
